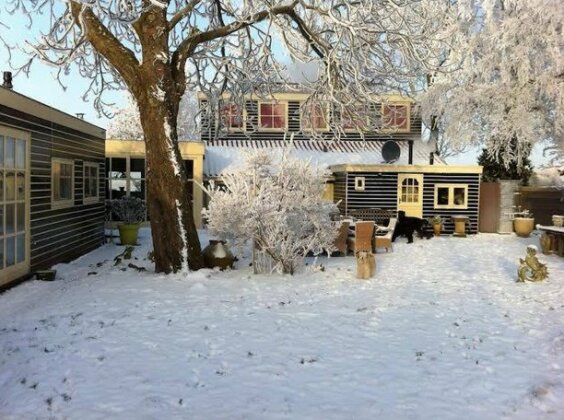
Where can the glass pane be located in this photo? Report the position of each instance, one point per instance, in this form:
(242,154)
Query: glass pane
(459,196)
(20,226)
(1,151)
(20,248)
(10,218)
(1,253)
(1,186)
(118,188)
(66,169)
(442,196)
(20,154)
(20,187)
(137,189)
(1,220)
(266,109)
(66,189)
(118,168)
(10,186)
(137,168)
(10,157)
(10,251)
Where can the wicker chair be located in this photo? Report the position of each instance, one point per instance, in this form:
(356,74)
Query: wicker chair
(341,239)
(363,237)
(385,239)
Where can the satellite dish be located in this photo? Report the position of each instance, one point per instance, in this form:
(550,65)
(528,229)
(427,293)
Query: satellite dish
(390,151)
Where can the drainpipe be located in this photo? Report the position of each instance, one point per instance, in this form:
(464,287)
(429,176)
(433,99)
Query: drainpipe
(410,159)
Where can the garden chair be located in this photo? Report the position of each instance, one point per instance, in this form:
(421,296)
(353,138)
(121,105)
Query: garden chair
(341,239)
(383,238)
(363,237)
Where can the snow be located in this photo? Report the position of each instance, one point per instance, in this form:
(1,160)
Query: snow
(442,331)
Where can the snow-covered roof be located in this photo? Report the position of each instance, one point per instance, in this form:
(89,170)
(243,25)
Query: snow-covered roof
(224,153)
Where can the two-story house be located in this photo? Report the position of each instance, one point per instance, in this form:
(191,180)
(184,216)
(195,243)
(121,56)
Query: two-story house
(377,154)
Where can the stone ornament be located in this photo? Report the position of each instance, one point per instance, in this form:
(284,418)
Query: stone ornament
(530,268)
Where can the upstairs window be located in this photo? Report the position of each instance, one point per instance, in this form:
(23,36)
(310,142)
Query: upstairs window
(62,182)
(314,117)
(272,116)
(232,117)
(355,118)
(395,117)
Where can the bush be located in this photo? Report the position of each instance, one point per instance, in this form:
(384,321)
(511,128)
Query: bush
(129,210)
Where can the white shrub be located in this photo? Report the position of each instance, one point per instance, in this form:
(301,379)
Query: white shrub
(279,205)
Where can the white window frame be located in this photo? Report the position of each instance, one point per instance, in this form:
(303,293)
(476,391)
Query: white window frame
(366,110)
(243,118)
(392,129)
(261,128)
(324,107)
(359,183)
(95,198)
(451,204)
(66,202)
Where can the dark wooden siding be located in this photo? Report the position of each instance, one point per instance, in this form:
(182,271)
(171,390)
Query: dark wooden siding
(251,133)
(380,191)
(59,235)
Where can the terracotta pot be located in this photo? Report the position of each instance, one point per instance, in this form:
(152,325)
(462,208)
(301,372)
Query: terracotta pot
(128,234)
(523,226)
(217,254)
(437,227)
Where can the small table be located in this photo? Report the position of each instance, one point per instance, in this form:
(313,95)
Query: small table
(459,225)
(556,235)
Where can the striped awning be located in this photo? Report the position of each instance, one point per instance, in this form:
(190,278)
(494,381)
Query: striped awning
(223,153)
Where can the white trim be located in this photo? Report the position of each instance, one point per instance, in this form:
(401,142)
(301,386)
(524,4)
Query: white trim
(408,116)
(95,198)
(359,183)
(62,203)
(314,129)
(229,129)
(451,204)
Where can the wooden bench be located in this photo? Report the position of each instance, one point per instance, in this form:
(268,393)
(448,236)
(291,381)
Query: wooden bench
(556,241)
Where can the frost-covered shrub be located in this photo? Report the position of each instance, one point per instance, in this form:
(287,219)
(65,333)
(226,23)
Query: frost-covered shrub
(279,205)
(129,210)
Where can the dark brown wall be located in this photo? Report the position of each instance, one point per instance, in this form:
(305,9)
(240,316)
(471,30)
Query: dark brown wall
(59,235)
(490,205)
(542,202)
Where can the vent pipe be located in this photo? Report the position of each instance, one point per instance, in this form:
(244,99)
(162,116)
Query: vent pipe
(7,80)
(80,115)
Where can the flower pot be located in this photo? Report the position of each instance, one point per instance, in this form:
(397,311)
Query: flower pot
(437,227)
(557,220)
(217,254)
(523,226)
(128,234)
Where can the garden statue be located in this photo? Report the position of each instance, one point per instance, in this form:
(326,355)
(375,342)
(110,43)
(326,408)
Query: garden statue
(531,269)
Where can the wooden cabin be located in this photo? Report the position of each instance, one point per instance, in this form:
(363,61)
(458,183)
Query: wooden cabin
(51,186)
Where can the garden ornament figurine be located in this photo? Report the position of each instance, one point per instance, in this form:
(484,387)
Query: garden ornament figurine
(530,268)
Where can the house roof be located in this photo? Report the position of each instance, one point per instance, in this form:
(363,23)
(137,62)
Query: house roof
(222,154)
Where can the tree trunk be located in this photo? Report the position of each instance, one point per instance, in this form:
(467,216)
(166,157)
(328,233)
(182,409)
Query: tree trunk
(176,246)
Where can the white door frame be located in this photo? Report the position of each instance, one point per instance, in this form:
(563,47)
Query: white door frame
(410,199)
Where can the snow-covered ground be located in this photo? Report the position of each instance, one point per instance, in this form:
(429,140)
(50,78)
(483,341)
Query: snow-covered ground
(442,332)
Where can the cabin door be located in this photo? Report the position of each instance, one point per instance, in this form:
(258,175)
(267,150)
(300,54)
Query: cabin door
(14,204)
(410,194)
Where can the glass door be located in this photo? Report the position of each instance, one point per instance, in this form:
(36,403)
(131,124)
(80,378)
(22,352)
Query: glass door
(14,193)
(410,194)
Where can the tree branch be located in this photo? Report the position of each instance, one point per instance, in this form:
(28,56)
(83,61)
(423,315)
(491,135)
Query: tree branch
(182,13)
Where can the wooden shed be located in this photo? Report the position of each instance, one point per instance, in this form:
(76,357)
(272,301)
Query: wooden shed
(51,186)
(420,190)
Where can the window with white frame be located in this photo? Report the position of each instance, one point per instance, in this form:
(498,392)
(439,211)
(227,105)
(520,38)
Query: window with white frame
(359,183)
(314,116)
(62,182)
(91,182)
(272,115)
(395,117)
(232,117)
(355,118)
(451,196)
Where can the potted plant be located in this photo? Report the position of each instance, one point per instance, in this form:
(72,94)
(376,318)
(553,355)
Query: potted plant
(437,223)
(523,222)
(131,212)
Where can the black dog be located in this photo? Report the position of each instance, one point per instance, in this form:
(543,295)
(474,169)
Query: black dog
(406,225)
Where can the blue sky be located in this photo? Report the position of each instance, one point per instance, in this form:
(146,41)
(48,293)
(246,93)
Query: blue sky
(43,86)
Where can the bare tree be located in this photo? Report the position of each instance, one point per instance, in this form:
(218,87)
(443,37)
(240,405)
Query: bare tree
(158,49)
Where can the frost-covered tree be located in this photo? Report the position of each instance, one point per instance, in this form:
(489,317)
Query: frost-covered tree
(126,123)
(159,49)
(276,203)
(508,89)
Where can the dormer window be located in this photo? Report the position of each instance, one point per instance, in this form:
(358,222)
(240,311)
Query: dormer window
(232,117)
(272,116)
(315,117)
(355,118)
(395,117)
